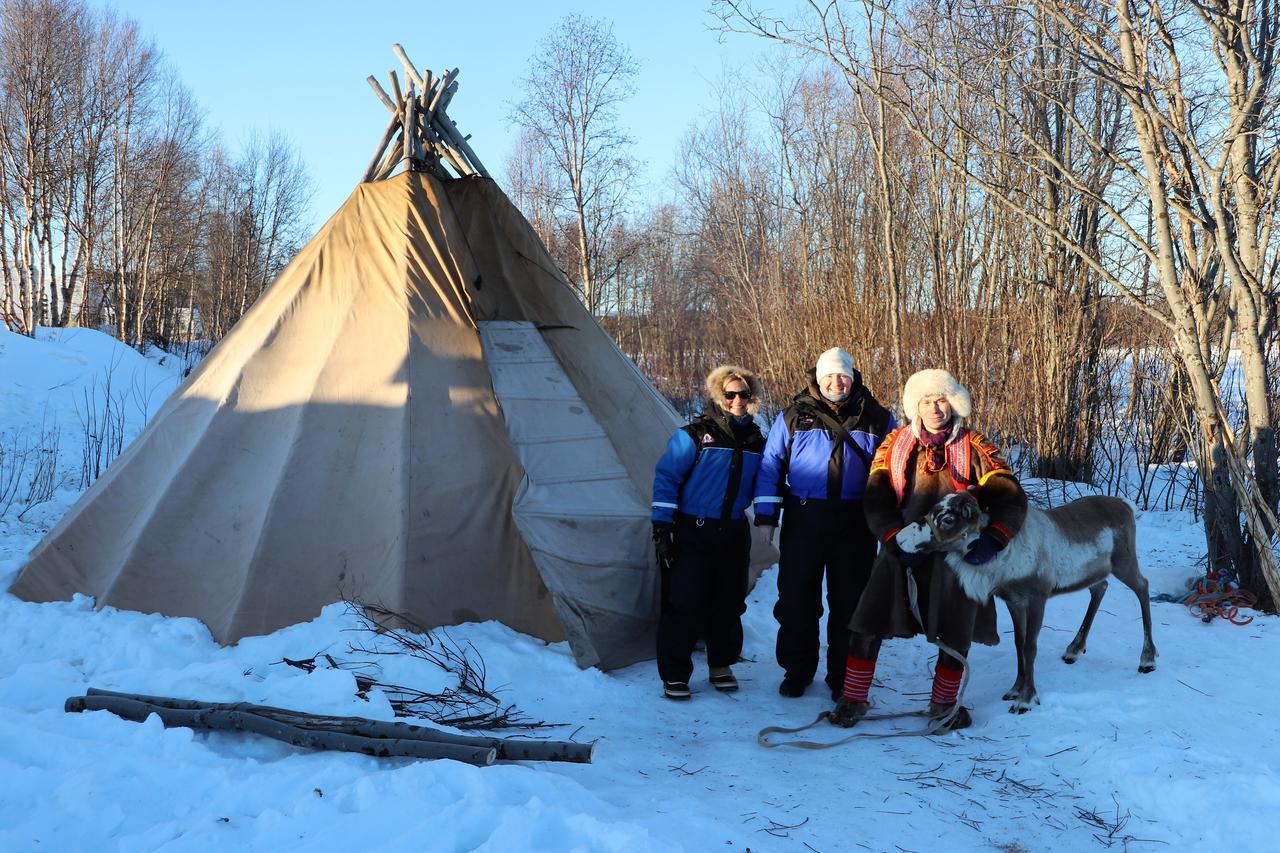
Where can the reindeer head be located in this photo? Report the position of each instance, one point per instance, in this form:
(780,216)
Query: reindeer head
(954,519)
(948,526)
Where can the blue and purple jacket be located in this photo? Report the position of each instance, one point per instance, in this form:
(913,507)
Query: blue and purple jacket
(807,458)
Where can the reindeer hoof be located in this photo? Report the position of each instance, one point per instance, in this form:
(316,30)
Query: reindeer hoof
(1012,694)
(1146,667)
(1070,658)
(1023,703)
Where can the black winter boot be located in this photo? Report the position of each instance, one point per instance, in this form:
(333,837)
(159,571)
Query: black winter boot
(937,712)
(722,679)
(792,688)
(847,713)
(678,690)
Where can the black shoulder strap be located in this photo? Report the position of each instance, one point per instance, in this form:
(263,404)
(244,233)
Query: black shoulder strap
(838,428)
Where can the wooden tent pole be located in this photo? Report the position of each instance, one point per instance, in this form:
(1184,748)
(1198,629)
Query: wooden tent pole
(382,95)
(382,147)
(410,69)
(428,136)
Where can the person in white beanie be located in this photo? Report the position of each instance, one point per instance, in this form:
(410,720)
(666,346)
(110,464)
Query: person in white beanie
(934,455)
(812,476)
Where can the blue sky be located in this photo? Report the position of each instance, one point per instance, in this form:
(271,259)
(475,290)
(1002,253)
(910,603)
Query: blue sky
(300,68)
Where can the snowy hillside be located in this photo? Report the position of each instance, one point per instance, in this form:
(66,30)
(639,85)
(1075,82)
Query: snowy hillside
(1184,758)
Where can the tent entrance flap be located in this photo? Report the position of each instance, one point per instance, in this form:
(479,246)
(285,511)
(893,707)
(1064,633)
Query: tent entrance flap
(580,513)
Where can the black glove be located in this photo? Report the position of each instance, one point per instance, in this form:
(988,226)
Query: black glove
(983,549)
(664,542)
(912,559)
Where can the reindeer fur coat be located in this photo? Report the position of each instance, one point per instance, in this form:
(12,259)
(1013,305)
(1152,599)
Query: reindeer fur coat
(884,609)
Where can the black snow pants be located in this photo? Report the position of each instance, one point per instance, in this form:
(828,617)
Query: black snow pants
(820,535)
(706,594)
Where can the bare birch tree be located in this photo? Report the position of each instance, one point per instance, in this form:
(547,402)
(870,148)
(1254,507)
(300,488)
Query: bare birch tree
(578,77)
(36,78)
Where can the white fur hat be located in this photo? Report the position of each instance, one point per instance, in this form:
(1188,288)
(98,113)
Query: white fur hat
(928,382)
(835,360)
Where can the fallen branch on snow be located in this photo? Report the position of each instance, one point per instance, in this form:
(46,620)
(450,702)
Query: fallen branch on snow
(348,734)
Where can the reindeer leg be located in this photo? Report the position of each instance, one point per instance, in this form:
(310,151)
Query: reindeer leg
(1131,576)
(1018,614)
(1033,620)
(1077,647)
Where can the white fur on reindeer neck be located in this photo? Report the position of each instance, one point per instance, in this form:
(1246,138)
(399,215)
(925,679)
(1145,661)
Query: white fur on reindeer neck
(1026,553)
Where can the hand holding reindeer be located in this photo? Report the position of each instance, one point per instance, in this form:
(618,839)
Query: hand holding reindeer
(982,550)
(1076,546)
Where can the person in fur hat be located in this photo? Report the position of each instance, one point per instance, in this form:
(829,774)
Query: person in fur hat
(934,455)
(812,477)
(701,488)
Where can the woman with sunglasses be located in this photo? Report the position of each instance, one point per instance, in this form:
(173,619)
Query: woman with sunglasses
(701,489)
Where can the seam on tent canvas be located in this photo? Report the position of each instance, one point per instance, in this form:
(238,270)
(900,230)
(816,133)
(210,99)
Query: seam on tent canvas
(471,253)
(192,383)
(297,421)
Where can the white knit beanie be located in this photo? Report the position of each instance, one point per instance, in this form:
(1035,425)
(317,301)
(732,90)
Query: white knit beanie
(835,360)
(926,383)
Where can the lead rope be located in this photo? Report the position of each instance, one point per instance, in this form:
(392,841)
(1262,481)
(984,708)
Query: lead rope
(935,726)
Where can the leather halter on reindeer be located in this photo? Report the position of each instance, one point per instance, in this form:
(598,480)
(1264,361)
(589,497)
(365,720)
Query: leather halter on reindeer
(1075,546)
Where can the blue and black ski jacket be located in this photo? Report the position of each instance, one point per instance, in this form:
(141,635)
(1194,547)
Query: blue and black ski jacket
(708,470)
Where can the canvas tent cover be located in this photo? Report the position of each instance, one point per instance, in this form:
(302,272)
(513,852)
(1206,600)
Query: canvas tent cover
(418,413)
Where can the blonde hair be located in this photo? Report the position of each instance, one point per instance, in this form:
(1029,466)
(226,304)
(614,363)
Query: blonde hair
(726,373)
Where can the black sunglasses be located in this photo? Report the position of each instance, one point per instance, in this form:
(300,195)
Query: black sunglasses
(729,395)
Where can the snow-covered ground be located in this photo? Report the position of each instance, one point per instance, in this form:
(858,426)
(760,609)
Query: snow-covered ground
(1185,758)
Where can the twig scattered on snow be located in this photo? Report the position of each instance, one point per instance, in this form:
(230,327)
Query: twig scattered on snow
(928,778)
(1112,828)
(1189,687)
(469,705)
(680,769)
(780,830)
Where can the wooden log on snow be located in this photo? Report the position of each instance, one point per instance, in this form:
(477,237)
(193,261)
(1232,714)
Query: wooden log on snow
(245,720)
(509,749)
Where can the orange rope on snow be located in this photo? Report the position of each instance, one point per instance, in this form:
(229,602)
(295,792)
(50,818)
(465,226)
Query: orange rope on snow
(1216,594)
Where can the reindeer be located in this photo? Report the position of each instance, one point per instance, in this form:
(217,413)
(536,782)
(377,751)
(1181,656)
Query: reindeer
(1071,547)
